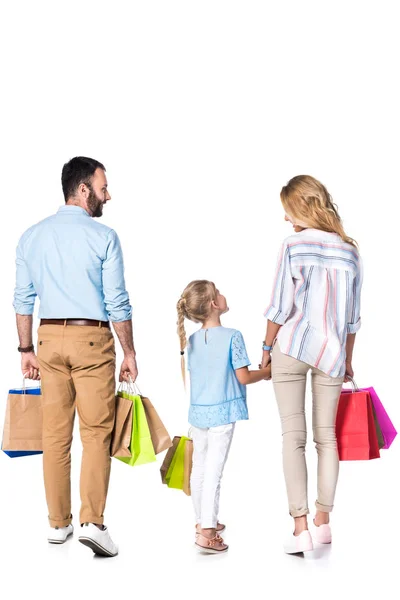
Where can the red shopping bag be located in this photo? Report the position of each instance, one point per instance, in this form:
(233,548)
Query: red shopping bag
(355,427)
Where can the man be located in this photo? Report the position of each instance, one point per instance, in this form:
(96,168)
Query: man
(75,265)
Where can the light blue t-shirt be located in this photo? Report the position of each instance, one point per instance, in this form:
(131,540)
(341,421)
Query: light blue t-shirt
(217,397)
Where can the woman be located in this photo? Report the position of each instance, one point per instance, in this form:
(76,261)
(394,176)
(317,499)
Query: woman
(313,318)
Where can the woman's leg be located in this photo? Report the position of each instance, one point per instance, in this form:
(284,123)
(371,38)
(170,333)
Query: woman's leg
(289,380)
(200,443)
(326,392)
(219,443)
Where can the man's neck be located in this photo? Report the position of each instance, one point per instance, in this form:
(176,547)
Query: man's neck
(73,202)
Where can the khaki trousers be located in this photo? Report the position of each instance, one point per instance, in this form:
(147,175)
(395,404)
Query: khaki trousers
(289,380)
(77,367)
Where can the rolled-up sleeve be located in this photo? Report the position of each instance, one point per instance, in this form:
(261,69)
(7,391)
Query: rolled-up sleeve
(24,293)
(281,303)
(116,298)
(355,304)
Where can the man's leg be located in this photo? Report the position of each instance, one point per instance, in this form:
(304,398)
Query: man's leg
(92,355)
(58,395)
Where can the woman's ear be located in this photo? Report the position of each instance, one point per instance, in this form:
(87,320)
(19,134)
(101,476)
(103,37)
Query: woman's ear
(214,304)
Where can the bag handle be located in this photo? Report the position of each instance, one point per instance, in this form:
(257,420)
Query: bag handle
(353,384)
(133,386)
(23,384)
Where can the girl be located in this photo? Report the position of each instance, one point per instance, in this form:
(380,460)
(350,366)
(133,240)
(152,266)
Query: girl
(313,317)
(218,366)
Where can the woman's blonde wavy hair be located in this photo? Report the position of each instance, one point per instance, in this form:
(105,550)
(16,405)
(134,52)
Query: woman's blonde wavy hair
(195,305)
(308,200)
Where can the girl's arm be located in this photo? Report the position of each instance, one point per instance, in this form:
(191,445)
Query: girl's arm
(245,376)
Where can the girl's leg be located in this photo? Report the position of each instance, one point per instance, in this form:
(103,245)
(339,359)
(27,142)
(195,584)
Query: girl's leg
(326,392)
(219,443)
(289,380)
(200,443)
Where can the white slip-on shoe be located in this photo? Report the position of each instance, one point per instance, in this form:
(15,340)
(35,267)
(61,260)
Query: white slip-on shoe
(299,543)
(98,540)
(322,534)
(59,535)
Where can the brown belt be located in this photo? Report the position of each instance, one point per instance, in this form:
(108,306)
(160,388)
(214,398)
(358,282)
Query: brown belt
(90,322)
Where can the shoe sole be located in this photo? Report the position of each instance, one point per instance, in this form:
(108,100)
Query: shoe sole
(308,548)
(96,547)
(210,550)
(60,541)
(324,540)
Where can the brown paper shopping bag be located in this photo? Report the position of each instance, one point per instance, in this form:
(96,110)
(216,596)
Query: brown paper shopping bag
(122,433)
(22,434)
(159,435)
(187,466)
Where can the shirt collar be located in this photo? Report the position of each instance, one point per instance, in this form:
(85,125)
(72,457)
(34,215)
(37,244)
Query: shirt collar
(318,232)
(69,208)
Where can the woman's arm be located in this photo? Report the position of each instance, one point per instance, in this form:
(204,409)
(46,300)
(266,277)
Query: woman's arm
(245,376)
(281,302)
(350,341)
(270,335)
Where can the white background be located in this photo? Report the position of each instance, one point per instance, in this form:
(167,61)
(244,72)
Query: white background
(201,111)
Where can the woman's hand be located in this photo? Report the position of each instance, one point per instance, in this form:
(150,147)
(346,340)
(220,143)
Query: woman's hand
(266,358)
(349,374)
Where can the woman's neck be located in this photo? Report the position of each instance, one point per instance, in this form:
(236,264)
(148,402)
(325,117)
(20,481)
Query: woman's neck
(213,321)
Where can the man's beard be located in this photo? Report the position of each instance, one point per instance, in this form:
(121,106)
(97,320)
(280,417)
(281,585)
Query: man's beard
(95,205)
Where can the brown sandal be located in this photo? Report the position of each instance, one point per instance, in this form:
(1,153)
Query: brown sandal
(213,545)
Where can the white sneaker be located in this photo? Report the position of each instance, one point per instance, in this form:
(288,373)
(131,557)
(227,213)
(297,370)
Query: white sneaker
(299,543)
(322,534)
(59,535)
(98,540)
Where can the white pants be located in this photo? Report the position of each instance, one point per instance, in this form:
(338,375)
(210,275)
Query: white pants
(210,451)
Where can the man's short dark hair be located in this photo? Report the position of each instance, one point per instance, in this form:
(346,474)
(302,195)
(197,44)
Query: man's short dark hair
(78,170)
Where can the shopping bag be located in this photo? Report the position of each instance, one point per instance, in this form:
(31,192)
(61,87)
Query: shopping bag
(168,458)
(122,433)
(159,435)
(355,427)
(187,466)
(388,430)
(141,446)
(23,425)
(174,476)
(379,434)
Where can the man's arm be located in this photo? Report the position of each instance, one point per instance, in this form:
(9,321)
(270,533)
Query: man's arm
(24,303)
(123,329)
(118,307)
(29,361)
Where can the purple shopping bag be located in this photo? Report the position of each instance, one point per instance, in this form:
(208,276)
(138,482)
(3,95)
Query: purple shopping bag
(388,430)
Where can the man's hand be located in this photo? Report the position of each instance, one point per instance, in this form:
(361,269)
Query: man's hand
(128,368)
(30,365)
(349,374)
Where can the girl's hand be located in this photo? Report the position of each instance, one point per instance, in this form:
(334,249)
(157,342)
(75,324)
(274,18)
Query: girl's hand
(266,358)
(349,374)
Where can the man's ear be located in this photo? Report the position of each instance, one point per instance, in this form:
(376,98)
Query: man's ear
(83,189)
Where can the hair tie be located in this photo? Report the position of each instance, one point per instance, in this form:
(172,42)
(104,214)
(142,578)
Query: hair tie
(182,352)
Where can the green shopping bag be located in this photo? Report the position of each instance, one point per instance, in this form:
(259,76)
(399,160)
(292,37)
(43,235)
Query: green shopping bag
(175,474)
(141,446)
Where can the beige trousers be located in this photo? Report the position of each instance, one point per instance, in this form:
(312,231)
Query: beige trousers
(77,367)
(289,380)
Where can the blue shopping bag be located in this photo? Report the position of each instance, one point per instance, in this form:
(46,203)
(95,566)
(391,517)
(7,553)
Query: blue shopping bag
(22,435)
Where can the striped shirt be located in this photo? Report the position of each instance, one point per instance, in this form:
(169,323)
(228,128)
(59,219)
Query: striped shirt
(316,298)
